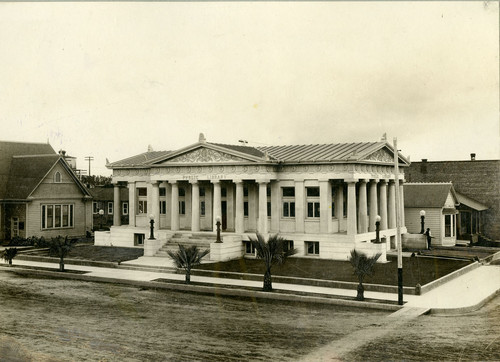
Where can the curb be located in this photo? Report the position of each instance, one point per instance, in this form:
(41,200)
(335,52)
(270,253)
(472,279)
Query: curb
(463,310)
(213,290)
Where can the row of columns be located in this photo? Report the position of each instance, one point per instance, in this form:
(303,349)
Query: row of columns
(358,221)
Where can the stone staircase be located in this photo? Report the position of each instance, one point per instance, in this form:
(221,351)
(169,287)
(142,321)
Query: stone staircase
(201,240)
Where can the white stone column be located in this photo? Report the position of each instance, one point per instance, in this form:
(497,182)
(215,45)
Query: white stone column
(174,208)
(217,204)
(262,225)
(131,203)
(402,202)
(383,205)
(117,210)
(195,206)
(155,203)
(325,208)
(373,205)
(239,221)
(391,205)
(351,208)
(362,208)
(339,205)
(299,206)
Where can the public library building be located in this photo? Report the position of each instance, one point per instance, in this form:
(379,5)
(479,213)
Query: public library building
(324,199)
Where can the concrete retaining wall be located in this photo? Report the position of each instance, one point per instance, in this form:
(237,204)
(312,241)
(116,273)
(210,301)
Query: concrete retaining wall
(230,248)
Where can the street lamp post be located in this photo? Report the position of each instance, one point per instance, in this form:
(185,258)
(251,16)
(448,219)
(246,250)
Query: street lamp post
(422,221)
(217,223)
(152,226)
(101,214)
(377,228)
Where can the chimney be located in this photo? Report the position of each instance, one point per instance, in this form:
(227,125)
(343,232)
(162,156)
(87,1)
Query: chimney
(472,156)
(423,165)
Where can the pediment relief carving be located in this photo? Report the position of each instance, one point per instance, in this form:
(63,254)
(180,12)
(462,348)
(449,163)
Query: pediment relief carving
(381,155)
(205,155)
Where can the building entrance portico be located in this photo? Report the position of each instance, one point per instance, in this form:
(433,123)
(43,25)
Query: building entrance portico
(330,194)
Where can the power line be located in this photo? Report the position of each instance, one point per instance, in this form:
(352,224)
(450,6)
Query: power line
(89,158)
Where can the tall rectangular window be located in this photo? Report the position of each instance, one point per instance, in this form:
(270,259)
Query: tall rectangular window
(447,226)
(202,208)
(110,208)
(312,202)
(142,202)
(57,216)
(65,215)
(125,208)
(288,196)
(163,207)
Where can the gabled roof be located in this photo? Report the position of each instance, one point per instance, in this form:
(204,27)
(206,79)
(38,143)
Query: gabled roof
(10,149)
(427,194)
(473,204)
(100,193)
(337,152)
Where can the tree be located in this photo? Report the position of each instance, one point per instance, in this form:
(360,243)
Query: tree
(274,251)
(60,247)
(9,254)
(187,258)
(363,266)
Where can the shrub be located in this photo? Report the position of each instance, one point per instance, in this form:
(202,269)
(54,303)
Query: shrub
(9,254)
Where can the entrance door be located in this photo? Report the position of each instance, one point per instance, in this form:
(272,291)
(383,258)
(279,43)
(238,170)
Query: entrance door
(14,227)
(224,215)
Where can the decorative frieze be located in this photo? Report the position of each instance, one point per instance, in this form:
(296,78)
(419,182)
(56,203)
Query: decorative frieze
(205,155)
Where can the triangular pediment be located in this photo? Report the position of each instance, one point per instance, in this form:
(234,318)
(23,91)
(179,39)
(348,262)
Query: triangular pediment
(203,154)
(384,155)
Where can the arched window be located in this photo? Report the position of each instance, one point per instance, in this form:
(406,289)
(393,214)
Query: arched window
(57,177)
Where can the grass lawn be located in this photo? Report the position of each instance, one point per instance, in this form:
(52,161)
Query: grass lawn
(98,253)
(416,270)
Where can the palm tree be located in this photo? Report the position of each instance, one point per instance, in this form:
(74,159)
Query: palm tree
(274,251)
(60,247)
(187,258)
(9,254)
(363,266)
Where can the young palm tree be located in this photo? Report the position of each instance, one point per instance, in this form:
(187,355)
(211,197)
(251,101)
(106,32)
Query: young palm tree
(187,258)
(363,266)
(60,247)
(9,254)
(274,251)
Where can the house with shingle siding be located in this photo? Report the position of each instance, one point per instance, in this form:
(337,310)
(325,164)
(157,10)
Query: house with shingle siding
(477,185)
(39,193)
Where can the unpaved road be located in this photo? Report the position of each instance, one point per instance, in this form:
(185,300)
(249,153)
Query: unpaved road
(63,320)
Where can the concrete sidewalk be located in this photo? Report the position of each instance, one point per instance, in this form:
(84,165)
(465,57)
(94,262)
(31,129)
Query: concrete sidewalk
(462,294)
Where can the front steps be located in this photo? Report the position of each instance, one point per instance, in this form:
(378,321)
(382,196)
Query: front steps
(201,240)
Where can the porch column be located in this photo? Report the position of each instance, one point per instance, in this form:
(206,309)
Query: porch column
(351,208)
(402,203)
(131,203)
(299,206)
(195,206)
(262,225)
(362,208)
(174,208)
(117,210)
(239,224)
(373,204)
(339,205)
(392,205)
(325,206)
(275,206)
(155,201)
(217,204)
(383,204)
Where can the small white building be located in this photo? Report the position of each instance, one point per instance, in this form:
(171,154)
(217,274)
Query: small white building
(439,202)
(323,198)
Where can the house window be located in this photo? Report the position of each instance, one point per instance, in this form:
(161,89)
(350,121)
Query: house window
(163,207)
(57,177)
(288,194)
(110,208)
(142,202)
(312,247)
(95,207)
(448,232)
(289,245)
(125,208)
(57,216)
(312,202)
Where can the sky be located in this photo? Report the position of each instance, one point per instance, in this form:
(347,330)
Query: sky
(109,79)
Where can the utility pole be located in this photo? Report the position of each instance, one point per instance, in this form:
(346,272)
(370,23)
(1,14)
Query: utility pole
(398,224)
(89,158)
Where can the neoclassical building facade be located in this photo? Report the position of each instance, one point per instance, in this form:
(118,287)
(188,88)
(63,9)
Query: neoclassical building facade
(324,199)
